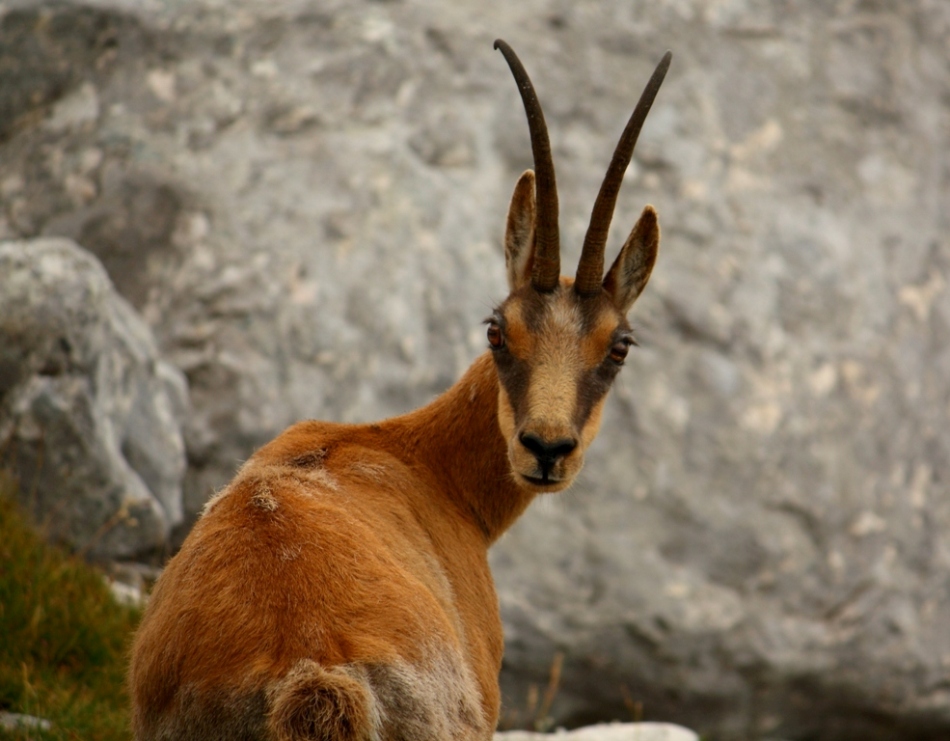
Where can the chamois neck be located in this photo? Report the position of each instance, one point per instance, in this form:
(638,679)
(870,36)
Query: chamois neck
(457,437)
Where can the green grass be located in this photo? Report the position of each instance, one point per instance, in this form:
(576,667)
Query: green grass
(63,638)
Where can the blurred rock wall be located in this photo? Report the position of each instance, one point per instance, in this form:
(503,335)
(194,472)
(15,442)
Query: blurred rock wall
(90,415)
(305,200)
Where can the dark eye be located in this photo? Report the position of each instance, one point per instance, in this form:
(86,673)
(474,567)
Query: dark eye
(495,338)
(618,351)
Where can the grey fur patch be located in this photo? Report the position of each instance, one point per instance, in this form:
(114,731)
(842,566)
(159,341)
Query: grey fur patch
(221,716)
(262,479)
(432,703)
(311,459)
(396,701)
(374,472)
(264,499)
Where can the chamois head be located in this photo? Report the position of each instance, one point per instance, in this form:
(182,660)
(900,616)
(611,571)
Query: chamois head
(559,342)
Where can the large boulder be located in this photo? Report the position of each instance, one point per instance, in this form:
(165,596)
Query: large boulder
(306,204)
(90,416)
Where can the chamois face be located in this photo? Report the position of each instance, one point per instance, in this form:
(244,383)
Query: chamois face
(558,342)
(558,350)
(556,354)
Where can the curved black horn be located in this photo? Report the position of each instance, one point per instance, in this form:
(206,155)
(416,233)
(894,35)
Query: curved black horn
(590,269)
(547,254)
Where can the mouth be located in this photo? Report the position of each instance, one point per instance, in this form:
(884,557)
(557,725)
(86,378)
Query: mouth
(542,482)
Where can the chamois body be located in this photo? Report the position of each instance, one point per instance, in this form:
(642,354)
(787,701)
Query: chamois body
(358,547)
(339,587)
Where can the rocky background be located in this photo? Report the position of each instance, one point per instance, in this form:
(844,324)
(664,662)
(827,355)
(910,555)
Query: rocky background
(304,201)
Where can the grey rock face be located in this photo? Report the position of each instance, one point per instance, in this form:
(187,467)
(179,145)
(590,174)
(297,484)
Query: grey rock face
(306,203)
(90,417)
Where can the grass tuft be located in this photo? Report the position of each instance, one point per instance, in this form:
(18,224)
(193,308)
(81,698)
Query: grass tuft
(63,637)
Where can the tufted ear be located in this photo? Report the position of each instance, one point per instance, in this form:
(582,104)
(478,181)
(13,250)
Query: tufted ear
(519,232)
(631,270)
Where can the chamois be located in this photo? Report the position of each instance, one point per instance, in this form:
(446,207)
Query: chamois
(339,588)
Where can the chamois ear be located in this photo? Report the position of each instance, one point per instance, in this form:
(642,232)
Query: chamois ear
(631,270)
(519,232)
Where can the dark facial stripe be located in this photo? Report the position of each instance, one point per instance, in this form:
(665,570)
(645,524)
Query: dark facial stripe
(591,388)
(595,383)
(534,307)
(515,376)
(592,310)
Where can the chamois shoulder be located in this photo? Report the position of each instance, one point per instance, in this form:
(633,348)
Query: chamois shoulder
(342,448)
(317,458)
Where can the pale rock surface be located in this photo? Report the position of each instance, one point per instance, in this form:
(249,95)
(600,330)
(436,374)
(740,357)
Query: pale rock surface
(608,732)
(90,416)
(20,722)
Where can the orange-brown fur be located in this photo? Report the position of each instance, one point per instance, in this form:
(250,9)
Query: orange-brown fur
(386,567)
(339,587)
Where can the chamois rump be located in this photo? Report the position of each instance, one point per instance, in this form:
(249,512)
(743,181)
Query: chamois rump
(338,588)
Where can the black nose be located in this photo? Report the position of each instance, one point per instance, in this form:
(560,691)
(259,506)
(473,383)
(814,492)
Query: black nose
(547,452)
